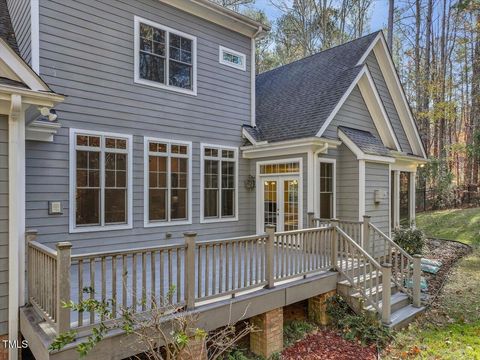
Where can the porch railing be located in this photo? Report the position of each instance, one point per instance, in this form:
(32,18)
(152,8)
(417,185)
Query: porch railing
(353,228)
(183,274)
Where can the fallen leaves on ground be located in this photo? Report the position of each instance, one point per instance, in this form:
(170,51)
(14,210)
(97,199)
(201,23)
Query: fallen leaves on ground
(328,345)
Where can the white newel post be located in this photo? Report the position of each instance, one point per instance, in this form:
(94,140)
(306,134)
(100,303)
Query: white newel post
(16,217)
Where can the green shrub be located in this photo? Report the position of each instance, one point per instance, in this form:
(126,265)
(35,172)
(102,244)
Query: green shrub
(364,327)
(296,330)
(412,240)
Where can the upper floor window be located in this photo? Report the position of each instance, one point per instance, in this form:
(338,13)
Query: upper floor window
(219,180)
(164,57)
(232,58)
(101,177)
(167,182)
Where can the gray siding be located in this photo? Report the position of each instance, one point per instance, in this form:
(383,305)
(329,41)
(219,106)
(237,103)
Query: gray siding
(347,185)
(388,102)
(3,225)
(87,54)
(20,14)
(354,113)
(377,177)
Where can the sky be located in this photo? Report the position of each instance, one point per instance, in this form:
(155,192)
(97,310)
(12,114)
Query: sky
(378,20)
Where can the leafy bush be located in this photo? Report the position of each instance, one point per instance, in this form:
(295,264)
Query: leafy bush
(412,240)
(364,327)
(296,330)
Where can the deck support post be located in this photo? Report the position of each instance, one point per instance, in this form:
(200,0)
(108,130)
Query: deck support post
(366,234)
(64,252)
(334,251)
(270,275)
(417,275)
(189,272)
(386,293)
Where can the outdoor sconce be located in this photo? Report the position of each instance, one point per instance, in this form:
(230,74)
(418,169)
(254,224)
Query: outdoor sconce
(250,183)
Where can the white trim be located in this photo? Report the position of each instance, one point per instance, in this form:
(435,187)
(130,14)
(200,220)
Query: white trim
(41,130)
(377,111)
(168,30)
(35,34)
(396,90)
(361,189)
(310,181)
(9,59)
(317,187)
(288,147)
(341,102)
(259,188)
(396,198)
(16,218)
(412,196)
(223,49)
(204,220)
(72,186)
(146,198)
(390,200)
(359,153)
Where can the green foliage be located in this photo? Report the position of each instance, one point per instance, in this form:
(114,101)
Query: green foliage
(364,327)
(237,354)
(296,330)
(63,340)
(411,239)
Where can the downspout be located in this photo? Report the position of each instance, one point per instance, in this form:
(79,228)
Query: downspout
(253,121)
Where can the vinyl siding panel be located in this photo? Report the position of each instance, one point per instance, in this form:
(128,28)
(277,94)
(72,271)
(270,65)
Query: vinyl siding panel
(21,20)
(3,225)
(347,185)
(87,54)
(387,100)
(354,113)
(377,178)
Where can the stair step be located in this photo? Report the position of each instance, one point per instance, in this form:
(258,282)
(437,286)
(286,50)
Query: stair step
(398,301)
(404,316)
(359,295)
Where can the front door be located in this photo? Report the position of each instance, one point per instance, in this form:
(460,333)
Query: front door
(280,202)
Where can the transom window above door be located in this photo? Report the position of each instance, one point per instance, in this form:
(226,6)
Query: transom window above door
(100,179)
(164,57)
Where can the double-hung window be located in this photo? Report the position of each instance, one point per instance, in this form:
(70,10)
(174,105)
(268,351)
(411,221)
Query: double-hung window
(167,182)
(327,189)
(164,57)
(219,179)
(101,177)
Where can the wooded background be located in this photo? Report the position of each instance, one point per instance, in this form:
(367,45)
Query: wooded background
(436,48)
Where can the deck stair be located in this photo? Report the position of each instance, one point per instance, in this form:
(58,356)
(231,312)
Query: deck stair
(373,272)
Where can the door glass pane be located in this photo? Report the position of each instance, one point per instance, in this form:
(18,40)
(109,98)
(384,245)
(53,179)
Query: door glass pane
(404,198)
(290,213)
(270,203)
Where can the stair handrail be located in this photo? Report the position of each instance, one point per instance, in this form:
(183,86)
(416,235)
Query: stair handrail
(385,270)
(407,276)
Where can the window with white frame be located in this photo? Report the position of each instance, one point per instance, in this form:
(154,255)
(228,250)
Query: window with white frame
(101,180)
(167,181)
(232,58)
(164,57)
(327,189)
(219,183)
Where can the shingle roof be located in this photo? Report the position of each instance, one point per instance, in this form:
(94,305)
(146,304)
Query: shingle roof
(294,100)
(366,141)
(6,28)
(7,81)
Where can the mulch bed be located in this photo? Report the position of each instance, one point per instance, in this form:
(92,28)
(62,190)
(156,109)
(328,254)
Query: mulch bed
(448,252)
(328,345)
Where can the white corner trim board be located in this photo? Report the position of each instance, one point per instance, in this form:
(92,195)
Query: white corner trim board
(35,34)
(361,189)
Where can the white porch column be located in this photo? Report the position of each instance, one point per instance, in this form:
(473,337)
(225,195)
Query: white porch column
(361,189)
(310,181)
(16,217)
(396,199)
(412,202)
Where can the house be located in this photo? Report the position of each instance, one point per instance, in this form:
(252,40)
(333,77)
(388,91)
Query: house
(163,128)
